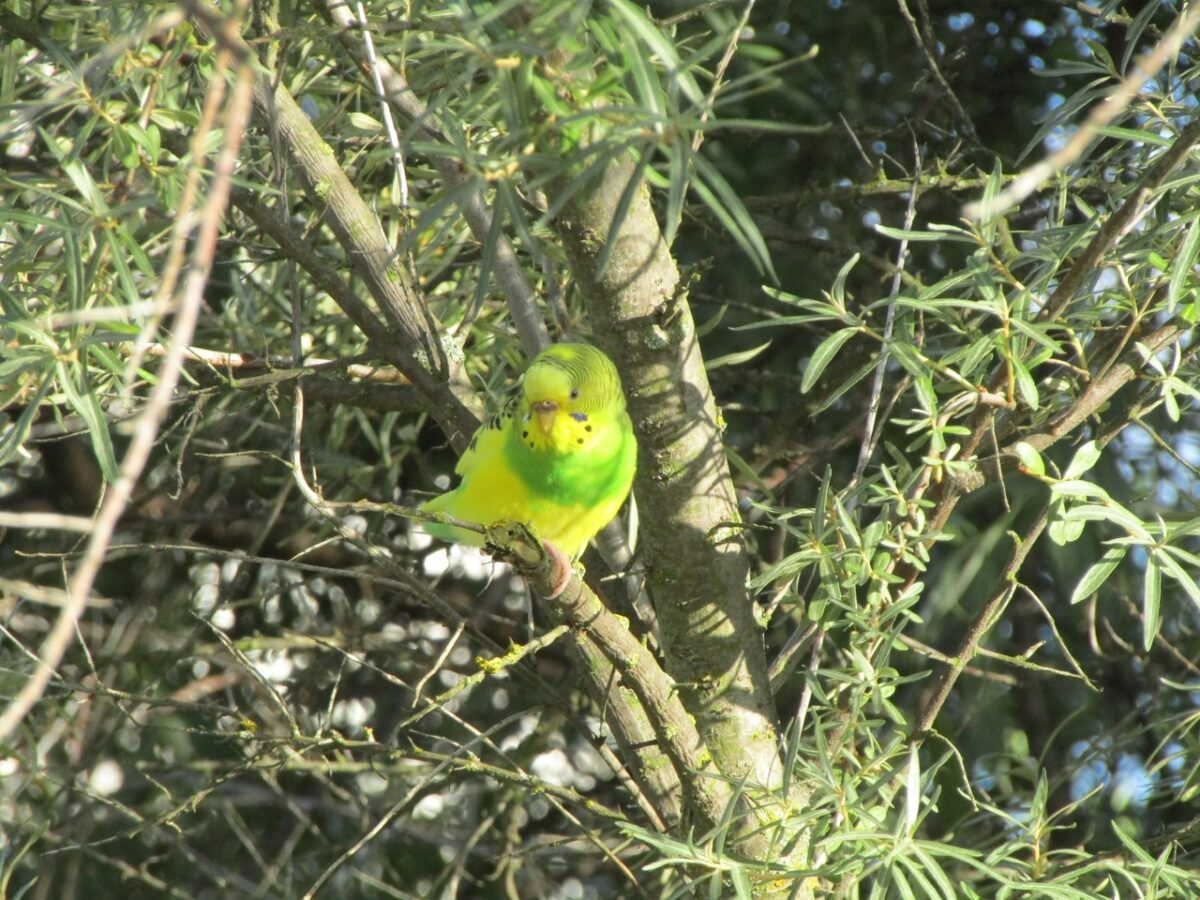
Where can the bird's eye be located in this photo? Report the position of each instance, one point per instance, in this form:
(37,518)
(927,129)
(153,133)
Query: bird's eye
(574,393)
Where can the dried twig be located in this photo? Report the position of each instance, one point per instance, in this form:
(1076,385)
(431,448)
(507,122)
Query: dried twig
(870,437)
(146,426)
(282,364)
(1144,68)
(719,75)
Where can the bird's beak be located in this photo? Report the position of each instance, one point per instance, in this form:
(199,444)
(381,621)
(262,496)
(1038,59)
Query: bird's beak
(546,412)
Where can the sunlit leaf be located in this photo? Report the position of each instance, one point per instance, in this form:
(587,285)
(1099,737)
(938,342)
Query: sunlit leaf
(1098,573)
(1151,601)
(1029,457)
(823,356)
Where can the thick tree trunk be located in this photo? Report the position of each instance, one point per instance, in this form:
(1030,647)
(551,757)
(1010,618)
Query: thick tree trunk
(695,562)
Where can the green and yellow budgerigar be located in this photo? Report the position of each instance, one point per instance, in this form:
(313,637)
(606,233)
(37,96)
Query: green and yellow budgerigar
(559,456)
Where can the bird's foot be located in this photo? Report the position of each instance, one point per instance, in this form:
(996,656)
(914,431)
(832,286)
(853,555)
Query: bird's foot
(560,569)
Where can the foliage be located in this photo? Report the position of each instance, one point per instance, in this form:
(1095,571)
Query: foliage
(964,450)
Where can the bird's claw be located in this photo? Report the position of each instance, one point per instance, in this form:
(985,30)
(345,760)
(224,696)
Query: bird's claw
(560,569)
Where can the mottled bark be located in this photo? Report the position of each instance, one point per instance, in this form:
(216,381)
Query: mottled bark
(696,564)
(601,637)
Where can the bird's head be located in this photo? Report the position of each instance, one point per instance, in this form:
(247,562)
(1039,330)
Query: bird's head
(569,383)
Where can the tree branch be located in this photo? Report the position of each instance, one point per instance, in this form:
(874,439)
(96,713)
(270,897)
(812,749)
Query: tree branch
(1106,237)
(964,121)
(1144,68)
(707,795)
(1094,397)
(987,617)
(696,564)
(520,296)
(424,360)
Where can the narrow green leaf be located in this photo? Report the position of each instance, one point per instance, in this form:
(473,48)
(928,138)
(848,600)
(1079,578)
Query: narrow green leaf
(926,395)
(1151,598)
(823,355)
(785,568)
(994,183)
(736,359)
(1186,580)
(912,790)
(64,151)
(902,234)
(1037,334)
(1134,134)
(655,40)
(1026,387)
(833,396)
(677,182)
(649,87)
(900,882)
(785,322)
(909,357)
(128,283)
(73,256)
(364,122)
(822,504)
(87,407)
(1133,34)
(789,757)
(1065,531)
(1115,513)
(741,883)
(838,291)
(487,259)
(1185,260)
(727,206)
(1078,488)
(1139,852)
(1097,573)
(1040,793)
(708,326)
(13,437)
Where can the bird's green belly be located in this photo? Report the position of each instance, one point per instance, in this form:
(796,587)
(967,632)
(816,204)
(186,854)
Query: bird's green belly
(582,479)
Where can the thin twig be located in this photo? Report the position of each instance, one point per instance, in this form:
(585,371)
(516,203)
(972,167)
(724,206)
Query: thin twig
(518,294)
(964,121)
(1144,68)
(858,145)
(986,618)
(640,672)
(40,593)
(389,124)
(256,674)
(145,428)
(386,819)
(47,521)
(440,374)
(719,75)
(870,434)
(439,662)
(806,695)
(1137,204)
(283,364)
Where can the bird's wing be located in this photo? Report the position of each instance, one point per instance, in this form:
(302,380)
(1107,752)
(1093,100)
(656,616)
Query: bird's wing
(488,441)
